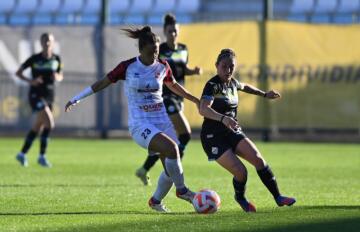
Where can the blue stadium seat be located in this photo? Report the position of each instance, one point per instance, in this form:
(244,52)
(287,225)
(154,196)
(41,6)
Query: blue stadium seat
(301,6)
(155,19)
(46,6)
(281,7)
(25,6)
(298,18)
(343,19)
(43,19)
(163,6)
(6,6)
(92,7)
(19,19)
(348,6)
(320,18)
(325,6)
(118,7)
(183,18)
(71,6)
(186,6)
(136,19)
(140,6)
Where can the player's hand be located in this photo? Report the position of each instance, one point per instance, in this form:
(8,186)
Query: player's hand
(230,123)
(37,81)
(69,105)
(272,94)
(198,70)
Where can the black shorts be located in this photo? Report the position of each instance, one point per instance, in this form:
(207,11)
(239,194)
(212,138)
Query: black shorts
(39,103)
(173,104)
(215,144)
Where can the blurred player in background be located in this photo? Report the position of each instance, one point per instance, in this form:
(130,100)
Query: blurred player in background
(223,139)
(149,124)
(176,54)
(45,70)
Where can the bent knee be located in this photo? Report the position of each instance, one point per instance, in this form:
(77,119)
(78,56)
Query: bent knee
(259,161)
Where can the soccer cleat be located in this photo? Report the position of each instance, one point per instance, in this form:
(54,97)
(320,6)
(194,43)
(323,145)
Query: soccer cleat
(158,207)
(143,176)
(187,196)
(44,162)
(282,200)
(22,159)
(246,205)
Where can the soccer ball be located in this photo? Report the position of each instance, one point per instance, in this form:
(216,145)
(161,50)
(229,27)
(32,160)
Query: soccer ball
(206,201)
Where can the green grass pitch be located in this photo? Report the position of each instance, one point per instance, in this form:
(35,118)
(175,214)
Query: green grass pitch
(92,187)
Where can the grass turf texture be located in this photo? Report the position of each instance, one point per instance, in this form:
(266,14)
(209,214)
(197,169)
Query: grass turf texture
(92,187)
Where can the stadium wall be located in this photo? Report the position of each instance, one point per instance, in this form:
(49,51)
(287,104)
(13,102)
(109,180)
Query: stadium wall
(315,67)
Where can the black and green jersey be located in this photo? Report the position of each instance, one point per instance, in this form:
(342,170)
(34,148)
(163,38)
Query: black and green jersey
(225,101)
(45,67)
(177,59)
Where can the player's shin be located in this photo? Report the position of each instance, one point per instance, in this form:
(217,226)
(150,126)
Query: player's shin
(163,187)
(268,179)
(175,171)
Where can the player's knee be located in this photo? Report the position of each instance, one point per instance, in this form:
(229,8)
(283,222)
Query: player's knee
(241,174)
(172,151)
(259,162)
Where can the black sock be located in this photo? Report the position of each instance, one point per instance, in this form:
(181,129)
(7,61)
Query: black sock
(268,179)
(44,140)
(150,162)
(28,141)
(240,188)
(184,140)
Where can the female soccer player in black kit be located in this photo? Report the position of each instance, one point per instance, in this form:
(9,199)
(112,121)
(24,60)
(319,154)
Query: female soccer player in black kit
(45,69)
(176,54)
(222,137)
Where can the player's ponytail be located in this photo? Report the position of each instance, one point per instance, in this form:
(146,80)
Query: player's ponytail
(169,19)
(144,35)
(225,53)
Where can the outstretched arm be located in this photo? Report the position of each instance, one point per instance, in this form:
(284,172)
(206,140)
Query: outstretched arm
(195,71)
(253,90)
(94,88)
(181,91)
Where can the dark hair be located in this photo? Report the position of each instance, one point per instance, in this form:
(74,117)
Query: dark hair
(169,19)
(44,35)
(144,35)
(225,53)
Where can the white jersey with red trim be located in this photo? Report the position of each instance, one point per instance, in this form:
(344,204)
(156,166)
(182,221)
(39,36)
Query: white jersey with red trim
(143,89)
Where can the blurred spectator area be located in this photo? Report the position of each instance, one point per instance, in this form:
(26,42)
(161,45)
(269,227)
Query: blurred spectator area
(87,12)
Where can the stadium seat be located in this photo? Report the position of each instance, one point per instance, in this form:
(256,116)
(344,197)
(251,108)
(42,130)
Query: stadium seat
(25,6)
(320,18)
(281,7)
(301,6)
(19,19)
(6,6)
(42,19)
(348,6)
(186,6)
(343,19)
(118,7)
(136,19)
(156,19)
(298,18)
(163,6)
(325,6)
(140,6)
(92,7)
(48,7)
(71,6)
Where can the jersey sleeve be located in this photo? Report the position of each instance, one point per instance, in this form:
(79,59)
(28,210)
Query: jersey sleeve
(209,91)
(168,73)
(118,73)
(239,85)
(27,63)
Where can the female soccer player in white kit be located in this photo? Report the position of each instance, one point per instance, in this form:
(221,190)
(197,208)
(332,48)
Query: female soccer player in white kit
(149,124)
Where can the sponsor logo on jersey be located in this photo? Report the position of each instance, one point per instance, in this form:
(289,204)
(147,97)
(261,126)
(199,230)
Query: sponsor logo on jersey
(147,90)
(151,107)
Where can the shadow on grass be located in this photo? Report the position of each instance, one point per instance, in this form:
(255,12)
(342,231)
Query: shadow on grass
(58,185)
(92,213)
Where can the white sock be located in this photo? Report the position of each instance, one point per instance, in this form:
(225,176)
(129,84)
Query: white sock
(175,171)
(163,187)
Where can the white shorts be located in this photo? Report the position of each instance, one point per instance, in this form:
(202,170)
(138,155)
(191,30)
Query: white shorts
(143,133)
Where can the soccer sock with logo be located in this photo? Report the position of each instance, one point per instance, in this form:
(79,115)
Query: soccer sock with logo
(184,140)
(175,171)
(164,185)
(44,138)
(268,179)
(150,161)
(240,188)
(28,141)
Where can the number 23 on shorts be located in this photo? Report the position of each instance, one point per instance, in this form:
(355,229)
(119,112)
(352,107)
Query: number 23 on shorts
(146,133)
